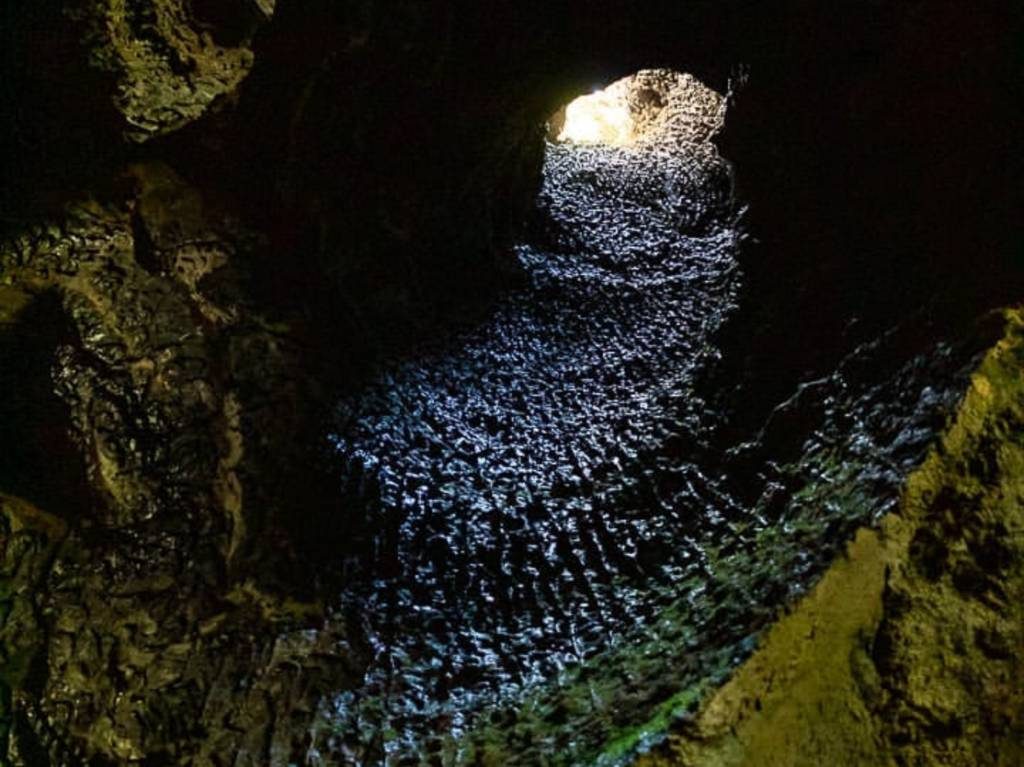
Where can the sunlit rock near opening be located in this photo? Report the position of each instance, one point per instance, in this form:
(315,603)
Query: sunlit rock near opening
(652,105)
(603,117)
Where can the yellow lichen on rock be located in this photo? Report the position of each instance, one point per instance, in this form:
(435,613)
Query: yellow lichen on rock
(800,699)
(168,63)
(909,650)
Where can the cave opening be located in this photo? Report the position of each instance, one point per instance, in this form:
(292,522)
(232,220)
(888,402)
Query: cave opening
(647,107)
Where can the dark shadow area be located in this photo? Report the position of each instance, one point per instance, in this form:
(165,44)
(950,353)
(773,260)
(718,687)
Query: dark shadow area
(58,139)
(38,460)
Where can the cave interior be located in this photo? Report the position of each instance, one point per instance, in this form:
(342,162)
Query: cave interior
(511,383)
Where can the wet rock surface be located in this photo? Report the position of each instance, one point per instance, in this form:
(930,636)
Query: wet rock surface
(134,624)
(511,471)
(546,503)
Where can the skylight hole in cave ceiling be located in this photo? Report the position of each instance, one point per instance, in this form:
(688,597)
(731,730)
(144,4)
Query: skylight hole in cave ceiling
(651,106)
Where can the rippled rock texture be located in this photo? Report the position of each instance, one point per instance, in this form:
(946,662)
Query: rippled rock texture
(554,543)
(510,470)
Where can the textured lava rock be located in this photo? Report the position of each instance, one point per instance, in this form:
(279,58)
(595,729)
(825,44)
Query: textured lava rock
(171,59)
(133,614)
(523,509)
(544,505)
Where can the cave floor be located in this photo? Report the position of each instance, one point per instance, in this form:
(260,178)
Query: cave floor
(551,550)
(538,494)
(557,557)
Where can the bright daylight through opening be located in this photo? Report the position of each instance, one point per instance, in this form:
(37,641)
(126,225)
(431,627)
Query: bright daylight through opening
(603,117)
(651,107)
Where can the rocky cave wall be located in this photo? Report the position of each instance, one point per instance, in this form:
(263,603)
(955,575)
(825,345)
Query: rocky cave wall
(296,191)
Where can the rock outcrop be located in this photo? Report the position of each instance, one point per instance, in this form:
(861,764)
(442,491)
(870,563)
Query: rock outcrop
(124,592)
(171,59)
(909,650)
